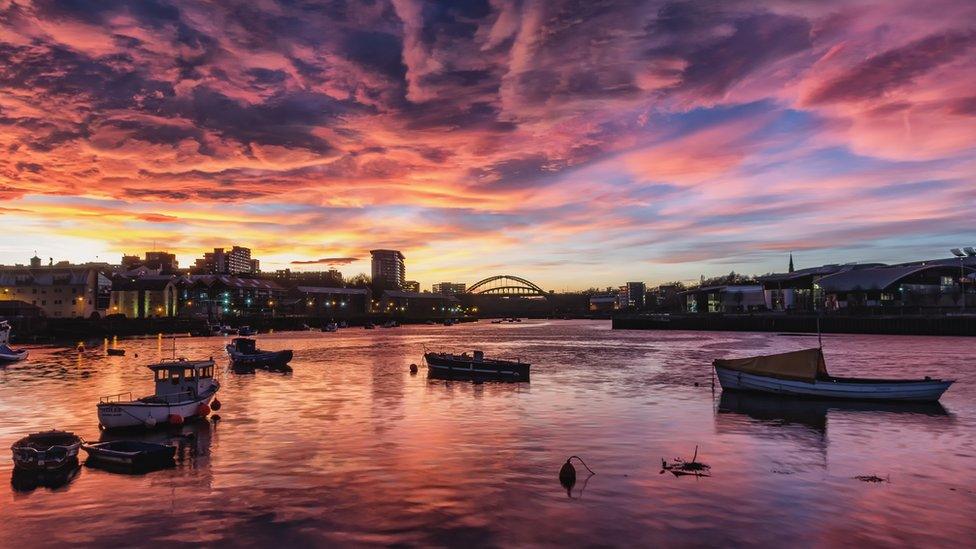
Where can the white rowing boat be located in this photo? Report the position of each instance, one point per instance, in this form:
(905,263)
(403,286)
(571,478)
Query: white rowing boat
(804,374)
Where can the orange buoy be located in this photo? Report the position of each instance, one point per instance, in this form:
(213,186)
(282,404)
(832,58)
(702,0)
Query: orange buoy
(175,419)
(203,410)
(215,405)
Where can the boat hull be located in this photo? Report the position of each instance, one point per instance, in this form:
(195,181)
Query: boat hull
(269,359)
(835,388)
(454,368)
(49,456)
(119,415)
(12,355)
(132,454)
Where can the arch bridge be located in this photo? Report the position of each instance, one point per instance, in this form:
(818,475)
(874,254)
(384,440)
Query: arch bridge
(506,286)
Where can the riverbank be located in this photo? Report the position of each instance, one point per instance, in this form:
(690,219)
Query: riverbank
(47,330)
(960,325)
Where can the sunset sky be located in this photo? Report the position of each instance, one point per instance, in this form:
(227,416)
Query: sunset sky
(573,143)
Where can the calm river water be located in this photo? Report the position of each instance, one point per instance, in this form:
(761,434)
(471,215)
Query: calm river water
(352,449)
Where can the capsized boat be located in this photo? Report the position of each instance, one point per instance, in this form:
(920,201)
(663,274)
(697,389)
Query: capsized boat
(184,389)
(133,453)
(46,451)
(475,366)
(6,353)
(804,374)
(245,354)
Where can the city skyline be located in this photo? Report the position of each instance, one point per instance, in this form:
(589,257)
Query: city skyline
(575,146)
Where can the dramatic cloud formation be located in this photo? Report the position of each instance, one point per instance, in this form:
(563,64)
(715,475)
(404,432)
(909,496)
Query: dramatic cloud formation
(632,139)
(331,261)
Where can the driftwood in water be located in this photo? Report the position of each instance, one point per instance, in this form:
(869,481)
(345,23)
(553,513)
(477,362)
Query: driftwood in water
(679,467)
(872,478)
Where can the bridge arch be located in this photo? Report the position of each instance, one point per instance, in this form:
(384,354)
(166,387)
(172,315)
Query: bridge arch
(506,285)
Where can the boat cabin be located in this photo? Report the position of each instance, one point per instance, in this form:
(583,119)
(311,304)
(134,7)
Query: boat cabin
(183,377)
(4,332)
(244,345)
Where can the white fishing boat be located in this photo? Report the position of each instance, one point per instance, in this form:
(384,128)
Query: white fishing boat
(804,374)
(184,389)
(6,353)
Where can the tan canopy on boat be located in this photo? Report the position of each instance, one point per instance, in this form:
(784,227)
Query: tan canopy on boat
(805,365)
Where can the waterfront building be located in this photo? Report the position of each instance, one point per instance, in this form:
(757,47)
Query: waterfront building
(636,292)
(797,290)
(418,305)
(337,303)
(234,262)
(604,303)
(155,261)
(725,299)
(449,288)
(411,286)
(145,297)
(131,261)
(60,291)
(916,287)
(216,295)
(329,278)
(389,269)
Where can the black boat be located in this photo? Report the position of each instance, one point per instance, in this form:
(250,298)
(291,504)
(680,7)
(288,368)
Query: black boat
(131,453)
(245,354)
(115,352)
(476,367)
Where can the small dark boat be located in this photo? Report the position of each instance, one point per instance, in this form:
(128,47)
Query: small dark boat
(132,453)
(47,450)
(116,352)
(476,366)
(246,331)
(368,326)
(245,354)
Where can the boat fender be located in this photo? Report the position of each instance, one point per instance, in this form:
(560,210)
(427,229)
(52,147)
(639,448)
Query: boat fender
(215,405)
(203,410)
(215,418)
(150,422)
(413,368)
(175,419)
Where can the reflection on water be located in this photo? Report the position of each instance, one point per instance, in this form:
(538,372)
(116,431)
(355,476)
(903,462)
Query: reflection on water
(350,448)
(58,479)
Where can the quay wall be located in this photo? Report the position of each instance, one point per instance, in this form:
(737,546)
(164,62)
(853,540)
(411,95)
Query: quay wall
(943,325)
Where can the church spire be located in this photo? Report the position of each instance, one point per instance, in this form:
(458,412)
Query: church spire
(791,262)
